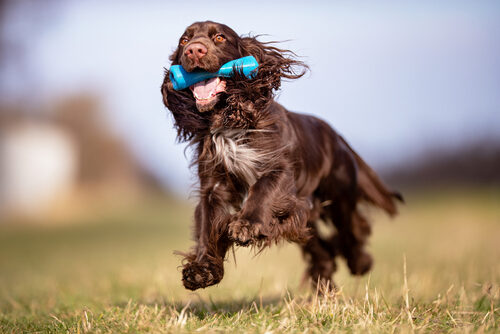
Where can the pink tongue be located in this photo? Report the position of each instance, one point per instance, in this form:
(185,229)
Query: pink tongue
(204,89)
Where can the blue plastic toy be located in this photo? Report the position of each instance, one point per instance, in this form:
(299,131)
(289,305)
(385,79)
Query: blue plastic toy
(182,79)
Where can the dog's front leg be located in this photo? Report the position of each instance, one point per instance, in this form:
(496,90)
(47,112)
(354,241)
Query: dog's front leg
(205,266)
(271,200)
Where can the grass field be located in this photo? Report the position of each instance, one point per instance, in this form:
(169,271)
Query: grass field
(437,269)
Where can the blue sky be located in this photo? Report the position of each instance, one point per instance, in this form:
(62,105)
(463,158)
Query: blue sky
(394,77)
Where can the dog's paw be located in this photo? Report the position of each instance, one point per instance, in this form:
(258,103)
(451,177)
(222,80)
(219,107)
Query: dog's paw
(244,233)
(360,264)
(196,275)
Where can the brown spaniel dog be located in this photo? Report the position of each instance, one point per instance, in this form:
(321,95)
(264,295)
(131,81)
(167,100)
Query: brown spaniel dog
(266,174)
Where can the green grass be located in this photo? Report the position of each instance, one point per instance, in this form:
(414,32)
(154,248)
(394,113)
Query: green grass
(115,272)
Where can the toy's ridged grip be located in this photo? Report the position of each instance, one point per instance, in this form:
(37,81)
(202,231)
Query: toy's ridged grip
(182,79)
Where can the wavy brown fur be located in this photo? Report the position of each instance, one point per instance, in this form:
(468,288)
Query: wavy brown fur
(267,174)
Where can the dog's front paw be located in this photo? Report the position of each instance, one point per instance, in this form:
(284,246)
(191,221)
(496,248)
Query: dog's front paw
(202,274)
(244,233)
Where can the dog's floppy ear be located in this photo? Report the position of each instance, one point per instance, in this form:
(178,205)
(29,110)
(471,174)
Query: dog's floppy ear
(274,63)
(187,119)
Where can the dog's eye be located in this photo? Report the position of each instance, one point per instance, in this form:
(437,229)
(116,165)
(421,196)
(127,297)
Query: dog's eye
(184,41)
(219,38)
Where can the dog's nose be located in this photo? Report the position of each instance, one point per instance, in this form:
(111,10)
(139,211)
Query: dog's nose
(195,51)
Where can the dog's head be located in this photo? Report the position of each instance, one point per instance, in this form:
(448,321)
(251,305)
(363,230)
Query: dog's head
(232,101)
(206,46)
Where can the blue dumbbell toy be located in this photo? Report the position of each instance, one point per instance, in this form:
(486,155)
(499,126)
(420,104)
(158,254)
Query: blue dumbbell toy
(182,79)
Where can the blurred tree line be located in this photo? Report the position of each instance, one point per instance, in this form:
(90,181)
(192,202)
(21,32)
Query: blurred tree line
(473,163)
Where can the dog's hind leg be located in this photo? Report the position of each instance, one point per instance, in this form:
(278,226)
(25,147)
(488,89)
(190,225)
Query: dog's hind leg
(353,231)
(341,190)
(320,256)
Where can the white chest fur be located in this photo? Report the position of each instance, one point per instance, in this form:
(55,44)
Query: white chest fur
(234,152)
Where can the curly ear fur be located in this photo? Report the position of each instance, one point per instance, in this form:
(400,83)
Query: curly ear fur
(280,63)
(248,99)
(188,121)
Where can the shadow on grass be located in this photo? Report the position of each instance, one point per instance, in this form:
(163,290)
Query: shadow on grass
(229,307)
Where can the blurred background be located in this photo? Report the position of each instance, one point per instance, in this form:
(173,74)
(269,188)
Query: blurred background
(413,86)
(85,140)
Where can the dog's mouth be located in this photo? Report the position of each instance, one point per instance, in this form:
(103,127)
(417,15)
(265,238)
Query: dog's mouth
(205,92)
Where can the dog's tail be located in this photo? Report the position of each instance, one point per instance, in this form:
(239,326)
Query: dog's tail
(371,188)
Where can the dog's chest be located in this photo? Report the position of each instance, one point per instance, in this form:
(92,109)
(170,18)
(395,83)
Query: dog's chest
(233,150)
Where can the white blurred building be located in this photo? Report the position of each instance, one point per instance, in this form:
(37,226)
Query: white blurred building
(38,164)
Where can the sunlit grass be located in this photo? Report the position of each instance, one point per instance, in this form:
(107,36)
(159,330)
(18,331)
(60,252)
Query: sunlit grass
(116,272)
